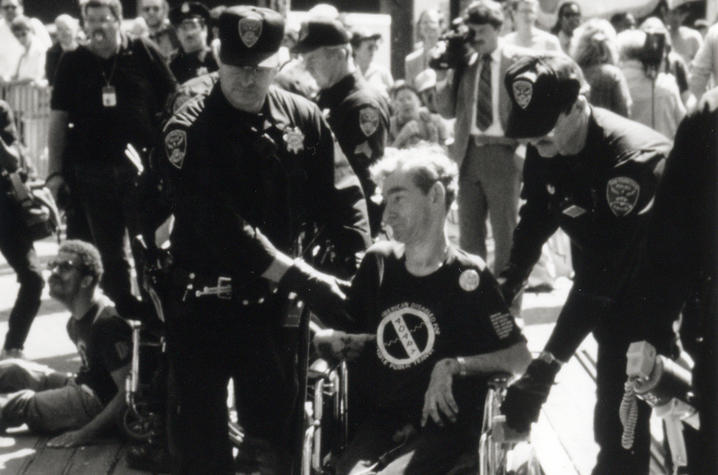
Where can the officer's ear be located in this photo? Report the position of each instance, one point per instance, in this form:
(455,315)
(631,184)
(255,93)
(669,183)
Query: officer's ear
(437,194)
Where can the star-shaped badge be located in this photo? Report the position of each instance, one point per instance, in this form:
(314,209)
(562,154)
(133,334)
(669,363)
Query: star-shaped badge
(294,138)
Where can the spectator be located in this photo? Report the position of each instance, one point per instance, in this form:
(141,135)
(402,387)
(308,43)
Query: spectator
(194,57)
(31,65)
(86,404)
(596,52)
(68,29)
(429,27)
(672,63)
(569,17)
(426,87)
(656,100)
(10,48)
(705,63)
(685,40)
(411,123)
(155,13)
(364,47)
(527,34)
(623,21)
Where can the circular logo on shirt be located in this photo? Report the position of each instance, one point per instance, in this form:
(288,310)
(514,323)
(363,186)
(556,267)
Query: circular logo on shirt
(469,280)
(406,335)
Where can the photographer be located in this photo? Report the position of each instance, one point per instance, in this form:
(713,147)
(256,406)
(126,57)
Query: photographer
(16,242)
(489,171)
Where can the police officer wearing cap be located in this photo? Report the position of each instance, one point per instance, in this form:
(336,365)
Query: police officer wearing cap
(357,112)
(194,58)
(594,174)
(247,167)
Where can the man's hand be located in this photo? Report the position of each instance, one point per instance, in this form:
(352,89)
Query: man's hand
(73,438)
(439,398)
(525,397)
(338,345)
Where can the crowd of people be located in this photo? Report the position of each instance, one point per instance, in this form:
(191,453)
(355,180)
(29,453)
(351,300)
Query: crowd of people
(245,147)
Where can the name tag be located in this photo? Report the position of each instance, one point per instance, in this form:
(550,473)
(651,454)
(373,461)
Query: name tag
(574,211)
(109,96)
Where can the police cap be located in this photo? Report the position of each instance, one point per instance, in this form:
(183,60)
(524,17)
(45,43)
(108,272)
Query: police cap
(540,88)
(188,11)
(250,36)
(320,32)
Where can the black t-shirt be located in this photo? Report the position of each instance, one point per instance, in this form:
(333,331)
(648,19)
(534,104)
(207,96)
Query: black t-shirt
(103,340)
(455,311)
(141,82)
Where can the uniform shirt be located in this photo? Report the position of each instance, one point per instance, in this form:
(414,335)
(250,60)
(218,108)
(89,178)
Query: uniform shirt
(601,198)
(236,179)
(186,66)
(142,83)
(103,340)
(456,310)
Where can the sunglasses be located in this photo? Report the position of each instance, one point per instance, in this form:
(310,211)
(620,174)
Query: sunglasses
(9,7)
(62,266)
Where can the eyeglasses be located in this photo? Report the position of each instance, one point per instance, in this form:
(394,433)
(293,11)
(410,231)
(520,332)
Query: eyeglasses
(151,9)
(62,266)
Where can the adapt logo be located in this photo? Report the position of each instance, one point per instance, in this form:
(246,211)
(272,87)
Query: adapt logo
(406,335)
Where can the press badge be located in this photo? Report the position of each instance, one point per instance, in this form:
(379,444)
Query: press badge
(109,96)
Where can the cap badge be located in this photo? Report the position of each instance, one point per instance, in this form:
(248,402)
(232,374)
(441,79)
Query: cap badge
(368,120)
(523,92)
(469,280)
(622,195)
(294,138)
(185,8)
(250,29)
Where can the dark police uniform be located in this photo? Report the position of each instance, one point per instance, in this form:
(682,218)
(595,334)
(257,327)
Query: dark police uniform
(357,112)
(240,185)
(16,244)
(186,66)
(601,198)
(110,103)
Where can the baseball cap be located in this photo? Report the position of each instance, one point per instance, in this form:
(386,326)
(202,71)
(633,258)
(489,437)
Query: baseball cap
(363,35)
(250,36)
(321,32)
(540,88)
(187,11)
(425,80)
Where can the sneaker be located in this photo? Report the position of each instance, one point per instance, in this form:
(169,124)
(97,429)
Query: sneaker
(11,353)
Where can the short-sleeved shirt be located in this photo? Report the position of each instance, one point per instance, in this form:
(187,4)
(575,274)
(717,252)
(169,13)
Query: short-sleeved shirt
(141,83)
(456,310)
(186,66)
(103,340)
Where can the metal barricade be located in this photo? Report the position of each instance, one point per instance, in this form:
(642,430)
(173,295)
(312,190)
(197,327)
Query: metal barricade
(31,106)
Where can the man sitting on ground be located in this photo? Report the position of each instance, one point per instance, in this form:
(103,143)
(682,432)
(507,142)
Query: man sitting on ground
(81,406)
(441,327)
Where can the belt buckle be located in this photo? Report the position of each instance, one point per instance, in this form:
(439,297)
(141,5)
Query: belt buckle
(224,288)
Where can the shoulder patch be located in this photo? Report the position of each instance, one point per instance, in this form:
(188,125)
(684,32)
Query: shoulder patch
(502,323)
(176,147)
(368,120)
(622,195)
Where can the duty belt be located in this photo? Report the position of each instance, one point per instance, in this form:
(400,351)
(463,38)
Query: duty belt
(197,285)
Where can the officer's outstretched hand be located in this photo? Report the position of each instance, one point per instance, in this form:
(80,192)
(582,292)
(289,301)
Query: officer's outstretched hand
(322,292)
(337,345)
(525,397)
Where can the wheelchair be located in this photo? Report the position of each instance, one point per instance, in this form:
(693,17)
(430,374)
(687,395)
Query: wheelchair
(326,428)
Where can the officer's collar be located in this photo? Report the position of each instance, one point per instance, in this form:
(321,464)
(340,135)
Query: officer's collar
(270,114)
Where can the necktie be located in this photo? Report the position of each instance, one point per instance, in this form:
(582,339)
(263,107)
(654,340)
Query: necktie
(484,114)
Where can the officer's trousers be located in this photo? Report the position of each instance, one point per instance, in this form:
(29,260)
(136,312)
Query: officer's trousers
(210,341)
(17,247)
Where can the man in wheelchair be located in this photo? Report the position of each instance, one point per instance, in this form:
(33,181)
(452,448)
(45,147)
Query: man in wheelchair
(441,329)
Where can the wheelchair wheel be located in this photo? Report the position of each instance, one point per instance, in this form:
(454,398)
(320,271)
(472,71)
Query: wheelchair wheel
(136,426)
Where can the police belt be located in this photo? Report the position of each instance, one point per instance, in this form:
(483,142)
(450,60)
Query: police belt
(199,286)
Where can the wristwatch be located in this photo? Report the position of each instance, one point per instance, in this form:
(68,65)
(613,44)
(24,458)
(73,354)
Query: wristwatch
(549,358)
(462,365)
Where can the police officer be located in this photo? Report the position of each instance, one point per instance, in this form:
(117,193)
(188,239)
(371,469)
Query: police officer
(593,174)
(194,58)
(247,166)
(357,113)
(16,244)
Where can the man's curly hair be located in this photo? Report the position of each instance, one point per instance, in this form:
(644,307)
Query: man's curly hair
(90,262)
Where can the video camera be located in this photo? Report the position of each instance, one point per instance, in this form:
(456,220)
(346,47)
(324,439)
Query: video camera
(452,46)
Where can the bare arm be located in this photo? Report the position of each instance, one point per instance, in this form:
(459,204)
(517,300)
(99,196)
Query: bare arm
(513,359)
(56,140)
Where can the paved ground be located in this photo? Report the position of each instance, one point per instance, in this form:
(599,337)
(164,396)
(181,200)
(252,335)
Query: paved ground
(563,437)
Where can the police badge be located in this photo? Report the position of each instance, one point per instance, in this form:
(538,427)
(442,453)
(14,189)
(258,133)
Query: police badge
(622,195)
(294,138)
(250,29)
(523,90)
(176,147)
(368,120)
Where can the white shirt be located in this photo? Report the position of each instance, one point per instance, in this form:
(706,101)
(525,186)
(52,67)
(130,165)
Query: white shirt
(495,128)
(10,51)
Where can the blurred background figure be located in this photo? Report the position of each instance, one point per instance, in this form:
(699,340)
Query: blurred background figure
(595,50)
(68,35)
(31,65)
(672,62)
(364,47)
(10,48)
(194,56)
(527,34)
(701,26)
(428,30)
(161,32)
(656,100)
(569,17)
(411,122)
(705,63)
(425,85)
(685,40)
(623,21)
(137,28)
